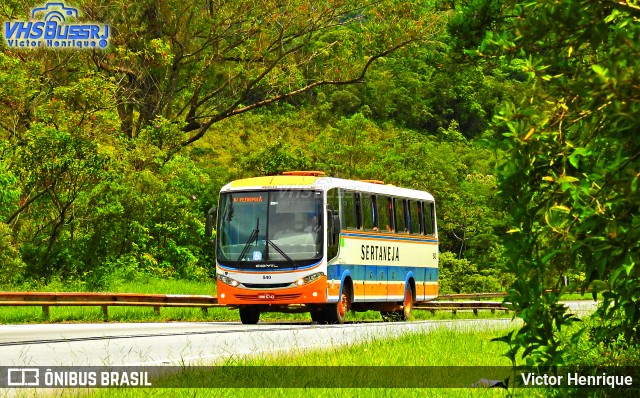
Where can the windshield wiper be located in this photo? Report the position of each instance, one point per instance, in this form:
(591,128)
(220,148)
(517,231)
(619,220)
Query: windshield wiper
(252,237)
(282,253)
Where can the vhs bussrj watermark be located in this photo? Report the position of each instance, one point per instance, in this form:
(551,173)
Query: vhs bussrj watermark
(55,25)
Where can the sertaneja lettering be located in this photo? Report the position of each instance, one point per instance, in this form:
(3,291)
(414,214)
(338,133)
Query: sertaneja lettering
(379,253)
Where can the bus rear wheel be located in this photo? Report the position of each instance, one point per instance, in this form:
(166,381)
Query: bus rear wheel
(403,314)
(407,305)
(249,315)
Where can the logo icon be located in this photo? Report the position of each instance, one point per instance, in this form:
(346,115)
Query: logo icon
(52,14)
(23,377)
(55,25)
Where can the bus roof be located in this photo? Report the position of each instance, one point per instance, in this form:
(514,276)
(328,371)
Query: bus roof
(321,183)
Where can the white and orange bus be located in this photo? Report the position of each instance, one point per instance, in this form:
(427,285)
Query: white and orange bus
(304,242)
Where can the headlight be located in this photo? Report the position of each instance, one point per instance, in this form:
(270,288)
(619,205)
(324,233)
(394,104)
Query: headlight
(228,281)
(307,279)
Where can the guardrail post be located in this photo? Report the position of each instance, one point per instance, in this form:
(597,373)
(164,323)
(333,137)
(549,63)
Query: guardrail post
(204,310)
(156,310)
(105,313)
(45,312)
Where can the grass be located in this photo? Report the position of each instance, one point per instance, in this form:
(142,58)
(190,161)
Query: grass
(437,349)
(142,285)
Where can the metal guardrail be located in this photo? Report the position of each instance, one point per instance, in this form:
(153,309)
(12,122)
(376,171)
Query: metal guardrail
(470,296)
(106,300)
(455,306)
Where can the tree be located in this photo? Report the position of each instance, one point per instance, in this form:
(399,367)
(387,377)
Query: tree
(572,172)
(275,158)
(349,150)
(91,136)
(200,62)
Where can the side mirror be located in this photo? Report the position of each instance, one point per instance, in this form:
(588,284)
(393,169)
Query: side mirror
(336,224)
(333,229)
(211,221)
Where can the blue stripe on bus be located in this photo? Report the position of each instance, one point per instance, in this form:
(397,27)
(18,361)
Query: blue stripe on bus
(379,273)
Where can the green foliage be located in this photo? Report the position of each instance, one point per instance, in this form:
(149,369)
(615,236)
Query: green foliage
(350,149)
(198,63)
(459,275)
(9,190)
(572,175)
(275,158)
(106,172)
(11,265)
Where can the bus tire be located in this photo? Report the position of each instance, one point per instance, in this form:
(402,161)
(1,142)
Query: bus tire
(318,316)
(249,315)
(403,314)
(407,305)
(387,316)
(337,313)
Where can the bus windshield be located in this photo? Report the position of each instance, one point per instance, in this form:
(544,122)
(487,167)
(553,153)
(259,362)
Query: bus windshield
(269,229)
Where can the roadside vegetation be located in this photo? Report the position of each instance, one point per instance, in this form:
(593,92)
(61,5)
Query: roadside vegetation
(12,315)
(519,116)
(438,349)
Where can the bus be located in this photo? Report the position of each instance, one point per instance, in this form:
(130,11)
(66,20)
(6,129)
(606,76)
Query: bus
(305,242)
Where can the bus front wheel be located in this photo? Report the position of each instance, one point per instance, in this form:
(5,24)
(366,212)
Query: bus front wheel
(337,313)
(249,315)
(318,316)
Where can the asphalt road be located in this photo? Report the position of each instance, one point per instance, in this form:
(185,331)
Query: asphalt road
(190,343)
(198,343)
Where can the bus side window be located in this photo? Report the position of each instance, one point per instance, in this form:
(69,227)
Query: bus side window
(429,210)
(350,205)
(390,216)
(368,215)
(384,211)
(358,210)
(414,219)
(421,217)
(400,206)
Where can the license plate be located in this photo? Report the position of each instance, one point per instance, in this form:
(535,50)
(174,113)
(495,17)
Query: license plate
(267,296)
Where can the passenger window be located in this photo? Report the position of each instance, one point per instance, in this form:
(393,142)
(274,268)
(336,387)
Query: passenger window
(384,213)
(421,216)
(429,209)
(350,205)
(368,220)
(400,206)
(414,220)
